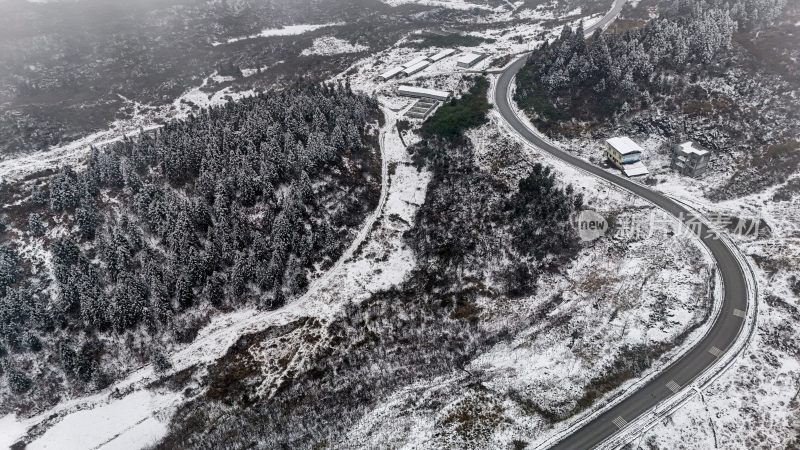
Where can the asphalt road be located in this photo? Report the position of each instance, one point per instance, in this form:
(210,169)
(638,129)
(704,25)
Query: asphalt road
(610,16)
(723,332)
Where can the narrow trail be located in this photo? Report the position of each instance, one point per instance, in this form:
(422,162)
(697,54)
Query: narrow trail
(215,339)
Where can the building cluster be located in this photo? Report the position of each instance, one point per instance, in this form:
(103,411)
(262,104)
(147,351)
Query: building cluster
(428,100)
(420,63)
(626,155)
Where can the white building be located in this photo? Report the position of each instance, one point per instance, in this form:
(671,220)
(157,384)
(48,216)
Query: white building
(417,92)
(391,73)
(469,59)
(411,70)
(415,61)
(442,55)
(626,155)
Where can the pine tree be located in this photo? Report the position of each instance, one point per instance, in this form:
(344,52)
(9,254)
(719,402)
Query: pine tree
(87,217)
(159,359)
(36,225)
(18,381)
(8,268)
(183,291)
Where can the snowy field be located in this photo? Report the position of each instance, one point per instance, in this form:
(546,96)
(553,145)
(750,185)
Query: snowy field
(451,4)
(289,30)
(329,45)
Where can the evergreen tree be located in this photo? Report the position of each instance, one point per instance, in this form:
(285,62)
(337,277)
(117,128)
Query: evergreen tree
(88,217)
(36,225)
(8,268)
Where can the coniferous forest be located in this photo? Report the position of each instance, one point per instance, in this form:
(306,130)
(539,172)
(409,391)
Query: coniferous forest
(107,265)
(496,244)
(612,73)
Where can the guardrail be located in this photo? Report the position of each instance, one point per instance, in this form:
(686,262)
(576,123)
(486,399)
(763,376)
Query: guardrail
(645,421)
(712,373)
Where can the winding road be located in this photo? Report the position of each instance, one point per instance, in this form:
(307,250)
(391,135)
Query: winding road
(728,324)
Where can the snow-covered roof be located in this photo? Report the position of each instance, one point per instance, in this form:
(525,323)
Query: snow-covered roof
(624,145)
(635,169)
(411,70)
(422,92)
(391,73)
(415,61)
(469,58)
(688,147)
(442,55)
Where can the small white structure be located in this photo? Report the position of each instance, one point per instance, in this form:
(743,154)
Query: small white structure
(636,169)
(626,155)
(442,55)
(418,92)
(415,61)
(391,73)
(469,59)
(411,70)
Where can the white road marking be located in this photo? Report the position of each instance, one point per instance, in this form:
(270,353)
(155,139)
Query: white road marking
(620,422)
(739,313)
(673,386)
(715,351)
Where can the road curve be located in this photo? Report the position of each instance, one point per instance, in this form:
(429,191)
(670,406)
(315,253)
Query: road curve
(723,332)
(606,20)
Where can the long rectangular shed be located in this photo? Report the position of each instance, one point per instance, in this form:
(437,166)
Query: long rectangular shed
(442,55)
(411,70)
(418,92)
(469,59)
(391,73)
(415,61)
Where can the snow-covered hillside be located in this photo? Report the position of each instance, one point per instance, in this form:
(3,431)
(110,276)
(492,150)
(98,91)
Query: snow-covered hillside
(384,348)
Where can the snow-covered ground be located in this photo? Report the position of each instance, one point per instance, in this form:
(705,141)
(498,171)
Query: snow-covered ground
(72,153)
(377,259)
(451,4)
(197,97)
(290,30)
(620,292)
(120,424)
(329,45)
(380,259)
(755,404)
(145,118)
(506,36)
